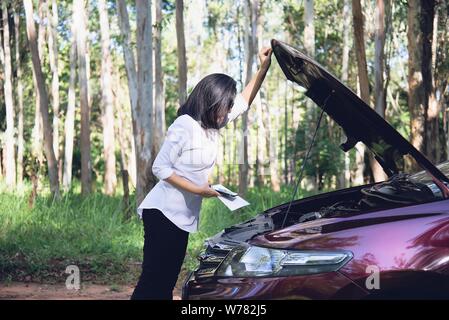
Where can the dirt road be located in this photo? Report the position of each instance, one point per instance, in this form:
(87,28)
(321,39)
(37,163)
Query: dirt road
(37,291)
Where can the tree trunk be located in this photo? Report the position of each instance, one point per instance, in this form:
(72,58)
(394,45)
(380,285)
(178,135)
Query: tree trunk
(87,55)
(270,136)
(416,93)
(53,56)
(182,59)
(2,143)
(121,138)
(271,140)
(309,27)
(124,147)
(129,61)
(309,45)
(110,178)
(379,57)
(238,147)
(260,101)
(86,162)
(20,128)
(249,50)
(125,135)
(440,146)
(48,135)
(345,176)
(286,175)
(440,71)
(130,67)
(261,142)
(141,93)
(69,126)
(10,164)
(379,60)
(159,121)
(145,100)
(432,112)
(38,130)
(359,42)
(362,71)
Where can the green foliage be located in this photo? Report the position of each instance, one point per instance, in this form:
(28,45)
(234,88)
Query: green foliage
(89,232)
(92,233)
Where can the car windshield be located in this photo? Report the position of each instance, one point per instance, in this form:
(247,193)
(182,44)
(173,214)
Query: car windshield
(425,178)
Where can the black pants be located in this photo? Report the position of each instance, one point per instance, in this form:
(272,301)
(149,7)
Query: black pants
(163,253)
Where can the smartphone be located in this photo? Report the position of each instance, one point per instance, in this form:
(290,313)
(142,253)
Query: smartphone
(224,191)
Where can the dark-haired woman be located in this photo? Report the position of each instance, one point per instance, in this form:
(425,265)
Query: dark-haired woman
(170,211)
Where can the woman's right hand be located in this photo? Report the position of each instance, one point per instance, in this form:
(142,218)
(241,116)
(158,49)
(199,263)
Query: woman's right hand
(265,57)
(207,192)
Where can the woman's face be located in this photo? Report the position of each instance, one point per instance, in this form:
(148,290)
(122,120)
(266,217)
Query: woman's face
(223,119)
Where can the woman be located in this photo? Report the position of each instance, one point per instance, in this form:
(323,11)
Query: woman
(170,211)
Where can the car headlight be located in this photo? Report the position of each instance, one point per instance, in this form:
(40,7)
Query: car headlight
(253,261)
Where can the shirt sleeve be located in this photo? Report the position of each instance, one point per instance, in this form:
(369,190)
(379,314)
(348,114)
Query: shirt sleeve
(171,149)
(240,106)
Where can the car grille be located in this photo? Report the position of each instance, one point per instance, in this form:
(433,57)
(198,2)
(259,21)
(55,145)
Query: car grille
(211,259)
(218,247)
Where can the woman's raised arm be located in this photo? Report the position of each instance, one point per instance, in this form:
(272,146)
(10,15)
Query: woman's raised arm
(250,91)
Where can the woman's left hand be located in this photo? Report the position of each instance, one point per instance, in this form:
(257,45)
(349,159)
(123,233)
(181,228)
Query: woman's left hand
(265,57)
(207,192)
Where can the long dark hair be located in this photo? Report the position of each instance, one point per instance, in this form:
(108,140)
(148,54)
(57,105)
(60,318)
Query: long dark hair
(210,100)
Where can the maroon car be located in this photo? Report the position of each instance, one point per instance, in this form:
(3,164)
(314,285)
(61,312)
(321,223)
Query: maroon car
(384,240)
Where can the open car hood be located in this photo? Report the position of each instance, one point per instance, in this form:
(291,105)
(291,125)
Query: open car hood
(357,119)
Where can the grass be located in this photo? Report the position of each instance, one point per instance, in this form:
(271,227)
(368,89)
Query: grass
(38,243)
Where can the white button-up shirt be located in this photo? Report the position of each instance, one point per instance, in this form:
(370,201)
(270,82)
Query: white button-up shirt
(190,151)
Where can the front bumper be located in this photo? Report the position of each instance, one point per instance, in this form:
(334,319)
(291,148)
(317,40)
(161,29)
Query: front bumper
(204,284)
(332,285)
